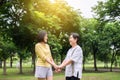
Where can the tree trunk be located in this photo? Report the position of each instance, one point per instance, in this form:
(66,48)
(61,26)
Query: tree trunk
(20,66)
(4,67)
(112,60)
(33,58)
(95,48)
(33,61)
(116,63)
(95,65)
(0,64)
(84,59)
(84,64)
(11,61)
(105,64)
(111,66)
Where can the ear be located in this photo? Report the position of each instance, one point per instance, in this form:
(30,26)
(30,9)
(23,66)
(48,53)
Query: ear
(76,40)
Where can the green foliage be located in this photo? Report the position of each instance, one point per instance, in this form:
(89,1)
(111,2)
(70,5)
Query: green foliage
(107,14)
(55,46)
(21,20)
(6,49)
(108,10)
(47,22)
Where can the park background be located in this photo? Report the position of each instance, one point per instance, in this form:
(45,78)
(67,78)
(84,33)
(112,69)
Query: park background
(20,21)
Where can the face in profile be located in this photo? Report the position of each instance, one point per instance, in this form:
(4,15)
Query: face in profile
(72,40)
(42,36)
(45,38)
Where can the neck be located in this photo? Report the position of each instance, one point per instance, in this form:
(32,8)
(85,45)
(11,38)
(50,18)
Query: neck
(74,45)
(42,43)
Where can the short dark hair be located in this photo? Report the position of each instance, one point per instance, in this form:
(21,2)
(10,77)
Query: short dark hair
(41,35)
(75,36)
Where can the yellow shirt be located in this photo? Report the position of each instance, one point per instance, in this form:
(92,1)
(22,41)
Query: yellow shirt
(42,52)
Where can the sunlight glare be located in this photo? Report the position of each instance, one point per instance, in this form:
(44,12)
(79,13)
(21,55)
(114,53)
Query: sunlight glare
(52,1)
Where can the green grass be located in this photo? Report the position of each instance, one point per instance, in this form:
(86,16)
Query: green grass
(12,74)
(101,76)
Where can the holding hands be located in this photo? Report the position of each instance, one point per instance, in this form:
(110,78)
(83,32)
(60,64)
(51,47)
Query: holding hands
(58,68)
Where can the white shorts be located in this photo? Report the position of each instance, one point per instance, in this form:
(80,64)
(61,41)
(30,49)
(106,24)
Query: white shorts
(43,72)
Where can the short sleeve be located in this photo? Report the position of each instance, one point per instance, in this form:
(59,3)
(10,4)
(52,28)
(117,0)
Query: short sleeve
(66,58)
(77,55)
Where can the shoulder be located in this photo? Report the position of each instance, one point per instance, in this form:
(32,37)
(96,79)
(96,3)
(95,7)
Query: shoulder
(79,48)
(69,50)
(37,44)
(48,45)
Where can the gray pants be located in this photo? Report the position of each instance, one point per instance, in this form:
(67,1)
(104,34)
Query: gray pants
(43,72)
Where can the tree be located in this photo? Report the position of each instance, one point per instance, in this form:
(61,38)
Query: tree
(55,46)
(85,40)
(6,50)
(107,11)
(90,39)
(11,24)
(108,15)
(114,36)
(21,20)
(61,20)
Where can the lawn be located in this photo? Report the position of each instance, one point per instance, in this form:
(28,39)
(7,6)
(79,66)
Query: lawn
(12,74)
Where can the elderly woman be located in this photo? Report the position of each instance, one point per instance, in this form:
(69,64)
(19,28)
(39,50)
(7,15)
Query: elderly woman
(73,60)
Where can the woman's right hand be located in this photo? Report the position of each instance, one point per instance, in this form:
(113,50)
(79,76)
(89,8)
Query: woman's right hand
(57,70)
(56,66)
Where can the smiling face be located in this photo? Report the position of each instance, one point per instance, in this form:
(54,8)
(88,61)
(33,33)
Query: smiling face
(72,40)
(45,38)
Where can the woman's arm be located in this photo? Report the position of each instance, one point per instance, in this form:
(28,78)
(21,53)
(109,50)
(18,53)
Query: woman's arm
(65,63)
(44,57)
(51,61)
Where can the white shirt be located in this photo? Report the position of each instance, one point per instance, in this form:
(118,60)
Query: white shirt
(75,69)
